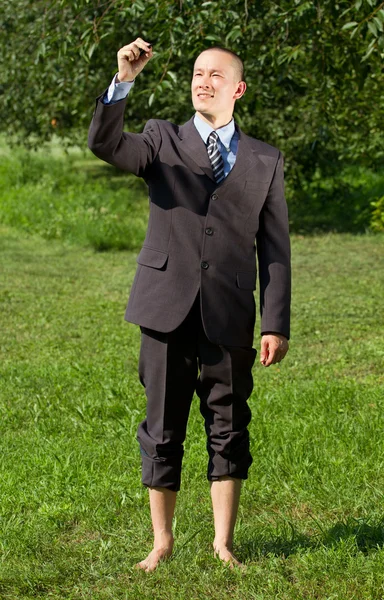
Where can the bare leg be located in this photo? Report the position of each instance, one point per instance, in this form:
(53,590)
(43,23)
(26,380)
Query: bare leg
(225,494)
(162,502)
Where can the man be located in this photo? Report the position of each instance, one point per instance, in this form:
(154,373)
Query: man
(216,198)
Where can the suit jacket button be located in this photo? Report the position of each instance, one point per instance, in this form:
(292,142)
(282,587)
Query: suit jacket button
(204,265)
(209,231)
(214,197)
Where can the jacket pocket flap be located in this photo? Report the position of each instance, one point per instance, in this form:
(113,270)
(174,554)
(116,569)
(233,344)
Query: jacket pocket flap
(149,257)
(246,280)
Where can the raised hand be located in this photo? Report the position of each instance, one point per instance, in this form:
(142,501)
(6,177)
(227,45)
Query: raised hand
(131,59)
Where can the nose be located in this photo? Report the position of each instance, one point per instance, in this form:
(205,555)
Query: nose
(203,82)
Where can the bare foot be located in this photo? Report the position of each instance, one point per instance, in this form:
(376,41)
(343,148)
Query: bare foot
(226,556)
(153,559)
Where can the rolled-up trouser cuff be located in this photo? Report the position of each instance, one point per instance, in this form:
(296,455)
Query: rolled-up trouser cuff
(235,471)
(230,464)
(163,473)
(227,469)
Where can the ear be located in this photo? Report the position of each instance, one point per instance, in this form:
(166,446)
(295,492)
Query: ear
(240,90)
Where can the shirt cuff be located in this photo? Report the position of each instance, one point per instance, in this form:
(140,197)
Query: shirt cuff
(117,91)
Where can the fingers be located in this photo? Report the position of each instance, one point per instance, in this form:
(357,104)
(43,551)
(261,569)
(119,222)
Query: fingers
(132,58)
(132,51)
(270,359)
(264,352)
(273,349)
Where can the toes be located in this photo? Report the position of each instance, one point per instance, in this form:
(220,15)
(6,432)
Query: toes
(144,566)
(152,561)
(228,559)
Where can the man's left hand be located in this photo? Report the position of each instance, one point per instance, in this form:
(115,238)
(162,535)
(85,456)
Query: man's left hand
(273,349)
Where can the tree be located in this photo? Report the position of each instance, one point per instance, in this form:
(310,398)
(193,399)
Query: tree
(314,70)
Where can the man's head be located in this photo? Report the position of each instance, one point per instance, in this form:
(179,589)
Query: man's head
(217,83)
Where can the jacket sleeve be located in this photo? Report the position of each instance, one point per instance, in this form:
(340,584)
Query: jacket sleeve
(273,251)
(133,152)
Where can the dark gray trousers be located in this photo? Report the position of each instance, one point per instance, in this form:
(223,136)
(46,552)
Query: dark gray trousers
(172,367)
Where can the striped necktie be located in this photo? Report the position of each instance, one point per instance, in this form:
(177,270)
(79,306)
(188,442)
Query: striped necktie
(215,157)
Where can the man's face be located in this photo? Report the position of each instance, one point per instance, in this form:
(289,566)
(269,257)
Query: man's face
(215,83)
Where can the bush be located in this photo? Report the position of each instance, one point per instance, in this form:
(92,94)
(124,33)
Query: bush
(345,203)
(377,218)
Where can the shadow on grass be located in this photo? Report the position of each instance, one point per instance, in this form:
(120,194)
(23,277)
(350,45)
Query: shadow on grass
(366,537)
(336,206)
(99,170)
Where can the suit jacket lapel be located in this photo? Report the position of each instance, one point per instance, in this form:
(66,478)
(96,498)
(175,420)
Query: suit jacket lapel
(246,159)
(194,146)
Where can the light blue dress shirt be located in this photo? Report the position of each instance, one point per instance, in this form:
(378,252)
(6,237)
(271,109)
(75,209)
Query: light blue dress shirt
(227,142)
(117,91)
(228,136)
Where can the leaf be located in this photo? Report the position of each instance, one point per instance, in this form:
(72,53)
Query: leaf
(212,38)
(140,5)
(368,54)
(172,75)
(91,50)
(151,99)
(233,35)
(358,4)
(379,24)
(372,28)
(86,33)
(346,11)
(349,25)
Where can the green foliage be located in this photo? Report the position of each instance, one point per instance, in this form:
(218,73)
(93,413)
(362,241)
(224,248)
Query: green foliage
(377,218)
(314,70)
(74,518)
(346,201)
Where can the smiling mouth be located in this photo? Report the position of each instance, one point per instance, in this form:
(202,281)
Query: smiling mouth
(204,96)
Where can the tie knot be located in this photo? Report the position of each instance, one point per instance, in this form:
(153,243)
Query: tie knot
(213,137)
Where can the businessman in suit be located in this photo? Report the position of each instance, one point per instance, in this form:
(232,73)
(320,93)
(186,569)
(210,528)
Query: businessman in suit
(216,204)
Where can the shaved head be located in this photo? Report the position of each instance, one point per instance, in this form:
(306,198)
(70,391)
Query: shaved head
(237,62)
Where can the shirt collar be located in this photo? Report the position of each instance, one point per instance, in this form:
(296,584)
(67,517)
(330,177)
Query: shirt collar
(225,133)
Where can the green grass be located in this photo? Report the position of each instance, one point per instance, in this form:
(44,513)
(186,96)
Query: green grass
(72,197)
(73,515)
(80,200)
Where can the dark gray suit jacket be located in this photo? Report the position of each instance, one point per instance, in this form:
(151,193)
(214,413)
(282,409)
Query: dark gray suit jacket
(203,236)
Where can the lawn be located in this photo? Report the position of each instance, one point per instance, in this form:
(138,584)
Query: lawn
(73,515)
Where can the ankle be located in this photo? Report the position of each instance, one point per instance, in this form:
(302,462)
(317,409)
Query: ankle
(222,543)
(163,539)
